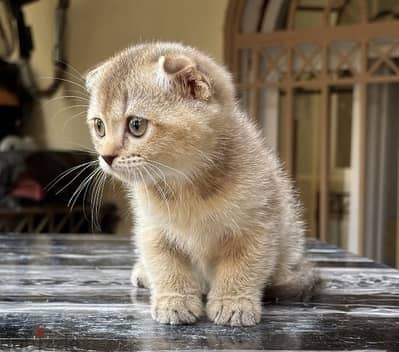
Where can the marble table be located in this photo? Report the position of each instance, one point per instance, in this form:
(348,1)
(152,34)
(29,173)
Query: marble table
(72,293)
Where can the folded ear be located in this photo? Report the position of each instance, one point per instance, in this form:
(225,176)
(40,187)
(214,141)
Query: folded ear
(92,76)
(186,76)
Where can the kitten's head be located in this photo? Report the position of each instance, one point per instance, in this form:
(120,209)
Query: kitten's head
(158,109)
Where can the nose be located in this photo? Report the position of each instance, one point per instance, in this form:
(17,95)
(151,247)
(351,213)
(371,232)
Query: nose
(109,158)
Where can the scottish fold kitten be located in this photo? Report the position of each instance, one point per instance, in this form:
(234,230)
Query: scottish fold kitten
(214,210)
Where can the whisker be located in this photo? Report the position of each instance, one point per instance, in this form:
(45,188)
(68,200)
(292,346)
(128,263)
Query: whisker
(78,78)
(75,195)
(132,175)
(158,172)
(85,148)
(80,93)
(204,156)
(69,65)
(79,173)
(84,205)
(69,119)
(66,173)
(82,151)
(93,190)
(77,192)
(160,192)
(100,201)
(69,108)
(173,169)
(68,97)
(95,199)
(64,80)
(145,187)
(96,188)
(87,185)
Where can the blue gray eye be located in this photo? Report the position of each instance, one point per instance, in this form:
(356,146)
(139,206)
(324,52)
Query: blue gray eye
(99,127)
(137,126)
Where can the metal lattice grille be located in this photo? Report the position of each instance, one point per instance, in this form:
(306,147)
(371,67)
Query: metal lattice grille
(345,48)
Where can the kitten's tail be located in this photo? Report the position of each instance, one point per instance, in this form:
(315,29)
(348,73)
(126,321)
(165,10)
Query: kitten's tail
(303,283)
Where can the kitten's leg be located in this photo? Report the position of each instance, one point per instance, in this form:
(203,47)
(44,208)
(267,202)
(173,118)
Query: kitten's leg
(175,295)
(241,273)
(139,276)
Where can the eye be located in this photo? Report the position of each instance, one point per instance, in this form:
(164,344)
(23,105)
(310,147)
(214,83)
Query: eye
(137,126)
(99,127)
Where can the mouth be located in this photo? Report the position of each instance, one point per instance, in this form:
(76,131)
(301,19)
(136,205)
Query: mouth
(124,171)
(136,170)
(104,166)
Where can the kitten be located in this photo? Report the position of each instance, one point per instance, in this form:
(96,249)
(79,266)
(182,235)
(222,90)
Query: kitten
(213,207)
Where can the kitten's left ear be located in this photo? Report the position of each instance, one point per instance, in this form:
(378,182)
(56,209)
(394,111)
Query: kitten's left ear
(186,76)
(91,77)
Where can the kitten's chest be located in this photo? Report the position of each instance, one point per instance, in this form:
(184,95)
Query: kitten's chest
(201,247)
(197,230)
(196,236)
(197,240)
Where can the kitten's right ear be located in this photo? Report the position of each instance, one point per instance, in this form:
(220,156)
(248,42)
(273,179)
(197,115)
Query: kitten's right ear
(186,76)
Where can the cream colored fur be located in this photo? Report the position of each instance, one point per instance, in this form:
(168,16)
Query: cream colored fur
(213,208)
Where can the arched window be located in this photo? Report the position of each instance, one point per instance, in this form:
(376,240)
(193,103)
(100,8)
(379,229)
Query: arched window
(319,77)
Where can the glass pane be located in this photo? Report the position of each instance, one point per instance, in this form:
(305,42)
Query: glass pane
(282,127)
(242,95)
(382,172)
(309,13)
(345,12)
(339,176)
(307,109)
(252,16)
(246,68)
(268,114)
(382,10)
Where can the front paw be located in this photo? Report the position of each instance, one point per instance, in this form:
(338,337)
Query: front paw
(234,311)
(176,309)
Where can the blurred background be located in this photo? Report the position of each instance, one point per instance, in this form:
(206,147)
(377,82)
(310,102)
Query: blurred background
(62,41)
(320,77)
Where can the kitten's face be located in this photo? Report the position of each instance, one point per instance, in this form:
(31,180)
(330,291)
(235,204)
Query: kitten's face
(150,121)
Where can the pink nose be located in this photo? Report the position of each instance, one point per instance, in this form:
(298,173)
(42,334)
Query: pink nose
(109,158)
